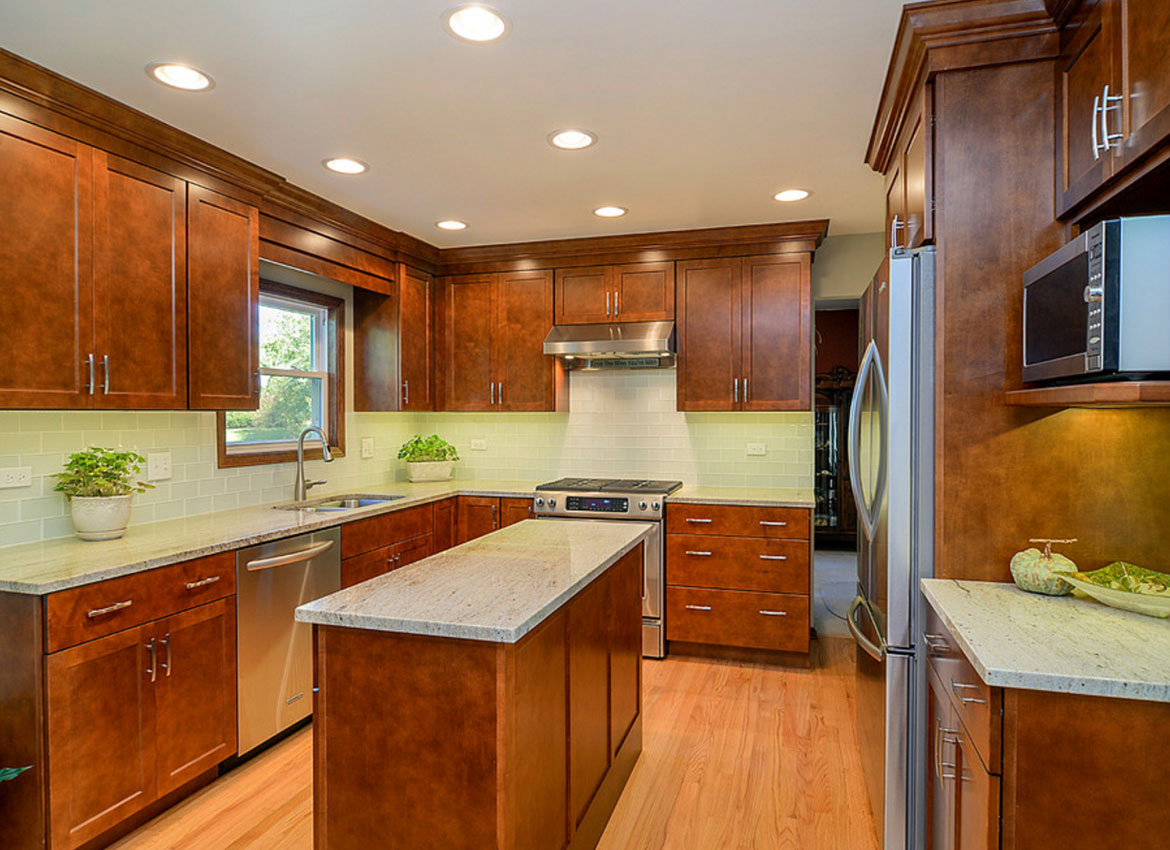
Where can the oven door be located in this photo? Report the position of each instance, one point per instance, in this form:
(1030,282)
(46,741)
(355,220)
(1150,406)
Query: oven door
(1058,302)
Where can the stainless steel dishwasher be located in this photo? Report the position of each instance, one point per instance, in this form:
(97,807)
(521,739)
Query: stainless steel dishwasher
(274,652)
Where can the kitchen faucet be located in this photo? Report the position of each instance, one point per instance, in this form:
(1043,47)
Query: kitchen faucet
(301,486)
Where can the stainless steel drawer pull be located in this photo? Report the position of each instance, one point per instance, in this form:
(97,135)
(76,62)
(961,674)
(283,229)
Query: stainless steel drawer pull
(935,643)
(955,686)
(152,669)
(166,641)
(290,558)
(698,554)
(692,519)
(203,582)
(109,609)
(773,557)
(698,607)
(768,613)
(772,523)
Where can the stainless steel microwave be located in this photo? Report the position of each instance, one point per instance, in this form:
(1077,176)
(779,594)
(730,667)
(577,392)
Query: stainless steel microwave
(1099,308)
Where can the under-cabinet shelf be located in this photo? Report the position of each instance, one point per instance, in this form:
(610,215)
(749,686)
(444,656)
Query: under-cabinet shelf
(1104,394)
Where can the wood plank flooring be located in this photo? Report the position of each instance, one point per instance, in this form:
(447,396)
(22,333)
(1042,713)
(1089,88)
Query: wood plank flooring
(735,756)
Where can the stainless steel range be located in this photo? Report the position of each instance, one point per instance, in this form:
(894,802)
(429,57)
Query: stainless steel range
(609,499)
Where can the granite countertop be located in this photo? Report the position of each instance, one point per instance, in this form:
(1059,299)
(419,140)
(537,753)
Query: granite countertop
(1054,643)
(52,565)
(772,497)
(495,588)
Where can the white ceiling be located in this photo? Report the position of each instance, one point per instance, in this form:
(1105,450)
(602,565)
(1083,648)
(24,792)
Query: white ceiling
(704,109)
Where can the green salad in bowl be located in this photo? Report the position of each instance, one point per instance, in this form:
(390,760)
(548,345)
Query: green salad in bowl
(1125,586)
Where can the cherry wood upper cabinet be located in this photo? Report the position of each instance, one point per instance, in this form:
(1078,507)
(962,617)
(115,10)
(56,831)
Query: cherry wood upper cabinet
(917,157)
(776,373)
(468,331)
(223,301)
(46,268)
(139,286)
(526,378)
(414,338)
(1086,69)
(633,292)
(584,296)
(709,330)
(393,361)
(1146,71)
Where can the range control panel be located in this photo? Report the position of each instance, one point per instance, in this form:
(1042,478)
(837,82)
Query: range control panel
(607,505)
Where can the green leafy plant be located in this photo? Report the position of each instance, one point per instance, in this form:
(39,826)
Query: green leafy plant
(419,449)
(101,472)
(7,773)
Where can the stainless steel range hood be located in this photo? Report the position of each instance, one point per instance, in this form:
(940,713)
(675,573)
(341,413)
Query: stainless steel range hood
(617,344)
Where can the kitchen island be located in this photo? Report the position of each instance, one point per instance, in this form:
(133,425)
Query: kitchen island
(486,697)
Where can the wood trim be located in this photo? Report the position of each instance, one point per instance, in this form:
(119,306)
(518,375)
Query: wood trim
(1105,394)
(953,35)
(274,253)
(336,308)
(779,238)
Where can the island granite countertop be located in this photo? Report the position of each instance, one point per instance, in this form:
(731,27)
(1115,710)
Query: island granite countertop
(1015,639)
(495,588)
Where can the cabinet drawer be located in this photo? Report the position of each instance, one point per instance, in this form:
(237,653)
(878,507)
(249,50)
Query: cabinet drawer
(978,705)
(366,566)
(738,521)
(737,563)
(365,535)
(736,618)
(81,614)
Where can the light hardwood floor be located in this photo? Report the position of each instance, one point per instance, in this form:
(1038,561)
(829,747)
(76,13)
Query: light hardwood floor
(735,756)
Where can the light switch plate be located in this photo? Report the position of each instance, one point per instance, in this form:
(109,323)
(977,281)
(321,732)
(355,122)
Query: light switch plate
(15,476)
(367,446)
(158,466)
(757,449)
(479,445)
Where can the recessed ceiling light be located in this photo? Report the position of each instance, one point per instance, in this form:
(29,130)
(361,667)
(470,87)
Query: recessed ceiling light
(610,212)
(451,224)
(345,165)
(476,23)
(572,140)
(179,76)
(789,195)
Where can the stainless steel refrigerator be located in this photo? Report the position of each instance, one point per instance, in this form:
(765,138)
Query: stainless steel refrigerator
(891,452)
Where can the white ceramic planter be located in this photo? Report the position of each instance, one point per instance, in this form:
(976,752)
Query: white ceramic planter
(430,470)
(100,517)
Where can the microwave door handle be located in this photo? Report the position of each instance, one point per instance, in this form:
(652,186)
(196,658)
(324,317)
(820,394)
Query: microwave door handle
(855,440)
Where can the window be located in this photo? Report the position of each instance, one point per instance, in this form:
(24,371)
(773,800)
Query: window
(301,380)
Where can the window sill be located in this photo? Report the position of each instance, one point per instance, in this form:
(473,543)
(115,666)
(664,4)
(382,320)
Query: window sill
(228,461)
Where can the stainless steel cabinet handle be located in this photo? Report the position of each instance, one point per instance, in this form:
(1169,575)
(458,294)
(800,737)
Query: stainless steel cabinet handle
(735,384)
(768,613)
(153,660)
(771,523)
(773,557)
(943,735)
(291,558)
(693,519)
(492,393)
(617,309)
(1109,103)
(405,392)
(495,518)
(607,303)
(698,607)
(956,686)
(500,393)
(896,225)
(106,367)
(203,582)
(698,554)
(89,366)
(109,609)
(745,395)
(166,641)
(936,643)
(1093,124)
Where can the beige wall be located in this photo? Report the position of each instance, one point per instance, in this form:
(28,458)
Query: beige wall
(844,266)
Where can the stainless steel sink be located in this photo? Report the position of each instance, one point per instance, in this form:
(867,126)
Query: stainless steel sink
(346,502)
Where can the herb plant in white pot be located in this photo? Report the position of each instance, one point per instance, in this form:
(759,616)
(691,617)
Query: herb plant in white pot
(428,458)
(99,484)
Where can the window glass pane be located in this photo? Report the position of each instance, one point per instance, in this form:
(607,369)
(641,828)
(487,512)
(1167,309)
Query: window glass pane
(287,337)
(287,406)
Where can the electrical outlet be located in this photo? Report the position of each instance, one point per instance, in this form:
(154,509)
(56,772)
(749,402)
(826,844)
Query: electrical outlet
(15,476)
(367,446)
(158,466)
(479,445)
(756,449)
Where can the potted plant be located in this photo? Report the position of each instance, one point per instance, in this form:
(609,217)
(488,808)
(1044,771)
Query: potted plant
(99,484)
(428,458)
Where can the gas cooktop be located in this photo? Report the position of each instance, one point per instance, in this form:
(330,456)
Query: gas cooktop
(611,485)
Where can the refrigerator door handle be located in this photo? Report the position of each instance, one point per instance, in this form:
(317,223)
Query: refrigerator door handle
(876,650)
(868,512)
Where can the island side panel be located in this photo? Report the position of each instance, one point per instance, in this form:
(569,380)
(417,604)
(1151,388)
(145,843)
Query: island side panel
(407,736)
(22,722)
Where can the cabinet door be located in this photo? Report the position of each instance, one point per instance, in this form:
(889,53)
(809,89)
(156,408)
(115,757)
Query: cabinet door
(777,333)
(1085,69)
(896,204)
(415,549)
(364,567)
(584,296)
(46,268)
(223,302)
(478,515)
(444,535)
(376,357)
(514,510)
(709,305)
(195,695)
(414,339)
(101,734)
(139,285)
(977,801)
(588,648)
(1147,74)
(469,321)
(526,377)
(916,163)
(644,292)
(942,767)
(625,646)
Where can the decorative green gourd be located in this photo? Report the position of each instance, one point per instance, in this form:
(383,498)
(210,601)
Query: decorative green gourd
(1035,571)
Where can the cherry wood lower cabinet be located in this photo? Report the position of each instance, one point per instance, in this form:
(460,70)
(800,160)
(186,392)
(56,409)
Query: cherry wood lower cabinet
(468,745)
(739,576)
(514,510)
(445,527)
(385,559)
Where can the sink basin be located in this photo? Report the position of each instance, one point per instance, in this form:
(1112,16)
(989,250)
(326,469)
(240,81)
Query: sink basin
(347,502)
